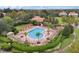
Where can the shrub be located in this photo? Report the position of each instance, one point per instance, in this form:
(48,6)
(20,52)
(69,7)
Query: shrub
(4,39)
(14,30)
(4,27)
(50,25)
(34,22)
(6,46)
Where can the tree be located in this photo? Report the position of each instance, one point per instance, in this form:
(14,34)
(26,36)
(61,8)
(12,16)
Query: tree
(49,25)
(4,27)
(68,29)
(54,20)
(21,14)
(49,18)
(7,10)
(8,20)
(14,30)
(13,14)
(70,20)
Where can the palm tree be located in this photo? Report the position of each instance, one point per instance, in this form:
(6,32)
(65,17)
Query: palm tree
(38,34)
(49,25)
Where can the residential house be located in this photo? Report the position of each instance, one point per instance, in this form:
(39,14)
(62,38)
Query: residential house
(73,14)
(63,13)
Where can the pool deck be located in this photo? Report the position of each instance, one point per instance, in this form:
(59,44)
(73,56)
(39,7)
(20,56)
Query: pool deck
(48,34)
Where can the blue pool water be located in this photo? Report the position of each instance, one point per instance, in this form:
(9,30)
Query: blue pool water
(32,33)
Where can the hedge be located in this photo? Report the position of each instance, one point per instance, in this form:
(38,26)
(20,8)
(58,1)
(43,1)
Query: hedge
(23,47)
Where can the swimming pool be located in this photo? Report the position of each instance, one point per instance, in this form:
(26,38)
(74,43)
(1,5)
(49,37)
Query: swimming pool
(33,33)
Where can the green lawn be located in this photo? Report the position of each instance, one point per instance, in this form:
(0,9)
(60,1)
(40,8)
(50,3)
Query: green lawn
(60,20)
(77,33)
(66,42)
(19,27)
